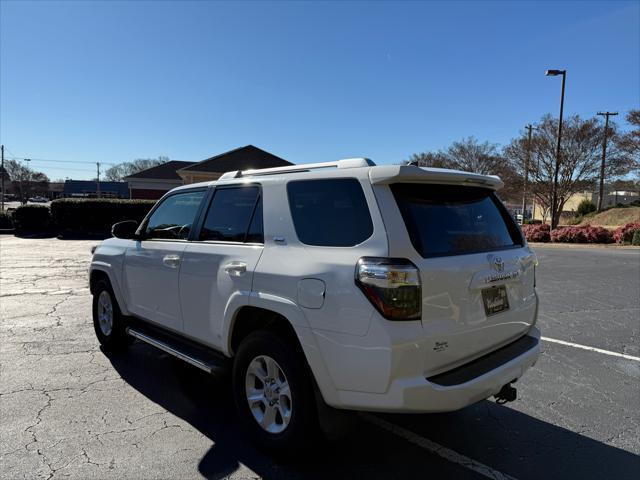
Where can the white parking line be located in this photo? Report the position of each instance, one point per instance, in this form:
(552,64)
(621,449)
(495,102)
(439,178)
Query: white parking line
(436,448)
(592,349)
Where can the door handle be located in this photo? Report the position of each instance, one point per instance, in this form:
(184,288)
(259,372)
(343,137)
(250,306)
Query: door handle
(171,261)
(235,269)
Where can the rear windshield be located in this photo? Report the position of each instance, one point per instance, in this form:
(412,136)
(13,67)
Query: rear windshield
(454,220)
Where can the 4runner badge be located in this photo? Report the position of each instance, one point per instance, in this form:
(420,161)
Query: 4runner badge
(440,346)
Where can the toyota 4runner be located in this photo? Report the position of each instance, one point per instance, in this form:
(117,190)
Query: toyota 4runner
(361,287)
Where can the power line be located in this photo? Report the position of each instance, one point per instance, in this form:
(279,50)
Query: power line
(58,161)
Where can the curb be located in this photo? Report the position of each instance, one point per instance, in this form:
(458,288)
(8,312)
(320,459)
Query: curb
(613,246)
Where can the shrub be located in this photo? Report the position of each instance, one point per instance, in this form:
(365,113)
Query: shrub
(582,234)
(538,232)
(6,222)
(584,207)
(31,218)
(530,221)
(636,238)
(574,220)
(625,233)
(96,215)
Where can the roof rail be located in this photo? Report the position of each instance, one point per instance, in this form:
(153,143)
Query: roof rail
(345,163)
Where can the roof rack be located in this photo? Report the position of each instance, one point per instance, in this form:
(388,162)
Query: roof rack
(305,167)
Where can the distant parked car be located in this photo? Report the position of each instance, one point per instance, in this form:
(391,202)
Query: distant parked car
(39,199)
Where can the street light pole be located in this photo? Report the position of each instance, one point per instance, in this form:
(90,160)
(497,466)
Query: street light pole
(555,214)
(22,183)
(604,156)
(526,173)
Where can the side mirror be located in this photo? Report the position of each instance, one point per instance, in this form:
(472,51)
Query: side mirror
(125,230)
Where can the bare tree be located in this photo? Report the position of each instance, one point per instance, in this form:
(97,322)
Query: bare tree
(472,156)
(579,162)
(118,172)
(430,159)
(629,142)
(25,181)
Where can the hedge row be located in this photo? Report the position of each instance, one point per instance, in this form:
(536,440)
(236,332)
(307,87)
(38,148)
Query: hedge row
(626,233)
(96,215)
(6,221)
(581,234)
(84,216)
(31,218)
(537,232)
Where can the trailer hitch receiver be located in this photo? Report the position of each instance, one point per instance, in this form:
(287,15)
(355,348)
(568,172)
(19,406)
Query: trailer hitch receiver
(506,394)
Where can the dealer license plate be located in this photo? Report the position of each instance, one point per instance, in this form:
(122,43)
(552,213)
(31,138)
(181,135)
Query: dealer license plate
(495,300)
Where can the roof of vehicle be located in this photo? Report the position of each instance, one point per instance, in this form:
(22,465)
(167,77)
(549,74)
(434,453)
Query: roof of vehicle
(359,168)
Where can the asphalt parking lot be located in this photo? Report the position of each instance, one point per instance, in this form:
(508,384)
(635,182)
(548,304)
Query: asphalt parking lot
(69,410)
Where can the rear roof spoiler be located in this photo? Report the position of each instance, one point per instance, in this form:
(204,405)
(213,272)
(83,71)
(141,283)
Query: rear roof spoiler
(386,174)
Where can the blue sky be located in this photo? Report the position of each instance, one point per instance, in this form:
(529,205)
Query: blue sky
(109,82)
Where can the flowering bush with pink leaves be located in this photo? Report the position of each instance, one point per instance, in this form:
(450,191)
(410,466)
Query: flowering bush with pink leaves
(537,232)
(625,233)
(582,234)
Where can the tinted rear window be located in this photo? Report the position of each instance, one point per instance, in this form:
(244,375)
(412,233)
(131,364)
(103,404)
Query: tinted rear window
(454,220)
(331,213)
(231,216)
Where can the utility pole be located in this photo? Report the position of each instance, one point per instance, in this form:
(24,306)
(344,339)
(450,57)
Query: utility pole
(3,173)
(526,173)
(604,156)
(98,180)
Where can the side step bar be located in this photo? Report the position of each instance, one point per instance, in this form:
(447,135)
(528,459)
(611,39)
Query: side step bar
(195,356)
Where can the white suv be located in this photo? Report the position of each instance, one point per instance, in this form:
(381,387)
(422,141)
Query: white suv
(361,287)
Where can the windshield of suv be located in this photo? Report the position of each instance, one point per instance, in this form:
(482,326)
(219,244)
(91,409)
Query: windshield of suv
(454,220)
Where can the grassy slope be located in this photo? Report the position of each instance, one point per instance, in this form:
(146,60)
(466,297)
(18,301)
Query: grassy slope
(613,217)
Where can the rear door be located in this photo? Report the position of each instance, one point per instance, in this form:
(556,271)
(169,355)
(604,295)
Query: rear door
(218,265)
(477,275)
(152,265)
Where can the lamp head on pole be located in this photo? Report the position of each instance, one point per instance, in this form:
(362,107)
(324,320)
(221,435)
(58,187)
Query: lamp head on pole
(553,73)
(607,113)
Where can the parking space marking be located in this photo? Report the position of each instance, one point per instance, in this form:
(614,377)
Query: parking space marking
(436,448)
(592,349)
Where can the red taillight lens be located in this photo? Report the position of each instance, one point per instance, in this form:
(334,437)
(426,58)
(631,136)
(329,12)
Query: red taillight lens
(392,285)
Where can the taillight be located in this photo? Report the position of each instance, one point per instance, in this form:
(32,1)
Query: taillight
(392,285)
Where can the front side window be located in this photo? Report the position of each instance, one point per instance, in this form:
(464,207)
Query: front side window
(173,218)
(235,215)
(454,220)
(330,213)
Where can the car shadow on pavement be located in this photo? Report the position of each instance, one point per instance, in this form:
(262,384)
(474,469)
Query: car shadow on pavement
(508,441)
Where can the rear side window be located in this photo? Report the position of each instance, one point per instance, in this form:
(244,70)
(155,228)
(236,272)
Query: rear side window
(172,219)
(454,220)
(330,213)
(235,215)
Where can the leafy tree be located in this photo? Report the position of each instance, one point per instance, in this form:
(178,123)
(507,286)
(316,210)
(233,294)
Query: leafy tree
(579,161)
(118,172)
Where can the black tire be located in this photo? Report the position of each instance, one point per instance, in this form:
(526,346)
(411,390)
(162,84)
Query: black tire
(302,429)
(116,338)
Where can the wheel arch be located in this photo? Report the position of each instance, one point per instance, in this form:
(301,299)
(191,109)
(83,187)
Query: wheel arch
(98,273)
(250,318)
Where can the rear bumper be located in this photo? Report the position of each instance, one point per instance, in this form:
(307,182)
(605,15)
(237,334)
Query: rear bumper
(418,394)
